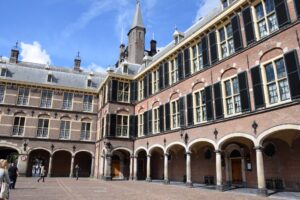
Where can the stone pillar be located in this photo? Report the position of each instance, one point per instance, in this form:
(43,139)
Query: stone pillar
(135,167)
(227,172)
(188,170)
(50,166)
(107,168)
(244,172)
(72,166)
(92,166)
(22,164)
(148,168)
(219,171)
(166,162)
(261,182)
(130,168)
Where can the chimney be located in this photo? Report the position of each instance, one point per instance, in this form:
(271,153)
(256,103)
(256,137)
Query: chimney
(14,56)
(122,53)
(153,50)
(77,62)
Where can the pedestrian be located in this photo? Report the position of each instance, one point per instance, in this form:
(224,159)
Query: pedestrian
(77,171)
(42,174)
(4,180)
(13,174)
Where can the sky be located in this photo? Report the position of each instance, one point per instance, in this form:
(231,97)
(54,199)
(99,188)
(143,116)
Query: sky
(53,31)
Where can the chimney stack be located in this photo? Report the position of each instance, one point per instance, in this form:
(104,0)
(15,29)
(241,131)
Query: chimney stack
(153,50)
(77,62)
(122,53)
(14,56)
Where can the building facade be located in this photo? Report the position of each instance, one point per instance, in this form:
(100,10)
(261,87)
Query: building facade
(217,106)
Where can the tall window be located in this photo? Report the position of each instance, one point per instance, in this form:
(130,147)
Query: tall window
(141,124)
(85,131)
(266,18)
(67,103)
(3,72)
(174,71)
(43,126)
(175,114)
(122,125)
(277,84)
(155,78)
(2,91)
(141,89)
(155,116)
(18,128)
(200,106)
(226,41)
(232,96)
(46,99)
(64,130)
(197,57)
(123,91)
(87,103)
(227,3)
(23,96)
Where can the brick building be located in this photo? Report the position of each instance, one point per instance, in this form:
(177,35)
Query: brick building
(217,106)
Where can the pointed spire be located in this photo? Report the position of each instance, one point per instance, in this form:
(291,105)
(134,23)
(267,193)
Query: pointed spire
(137,19)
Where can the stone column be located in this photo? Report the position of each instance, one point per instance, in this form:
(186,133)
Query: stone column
(92,167)
(148,168)
(244,172)
(188,170)
(219,171)
(50,166)
(107,168)
(135,168)
(261,182)
(72,166)
(227,172)
(166,162)
(130,168)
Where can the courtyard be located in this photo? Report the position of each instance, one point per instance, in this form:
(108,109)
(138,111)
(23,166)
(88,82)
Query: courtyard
(92,189)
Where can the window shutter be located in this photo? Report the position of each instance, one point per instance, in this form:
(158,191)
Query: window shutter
(244,91)
(282,14)
(146,123)
(114,90)
(161,76)
(132,126)
(149,122)
(182,111)
(149,84)
(213,47)
(208,100)
(180,66)
(204,51)
(146,86)
(167,114)
(113,124)
(187,64)
(259,100)
(109,92)
(133,91)
(236,31)
(166,75)
(218,101)
(190,109)
(107,128)
(297,7)
(161,118)
(248,25)
(293,72)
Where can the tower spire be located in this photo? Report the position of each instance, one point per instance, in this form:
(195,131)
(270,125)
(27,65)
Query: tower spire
(137,19)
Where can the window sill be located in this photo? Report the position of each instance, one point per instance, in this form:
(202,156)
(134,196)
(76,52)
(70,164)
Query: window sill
(278,104)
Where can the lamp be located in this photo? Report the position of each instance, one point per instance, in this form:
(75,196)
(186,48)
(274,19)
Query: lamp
(25,144)
(254,126)
(216,133)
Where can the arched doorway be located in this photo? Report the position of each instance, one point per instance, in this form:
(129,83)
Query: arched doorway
(141,165)
(177,163)
(203,163)
(84,161)
(37,158)
(120,164)
(281,152)
(157,164)
(61,164)
(9,154)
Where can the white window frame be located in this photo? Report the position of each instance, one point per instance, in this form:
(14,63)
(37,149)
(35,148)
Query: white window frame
(200,107)
(68,101)
(18,129)
(175,114)
(46,102)
(141,89)
(155,120)
(141,124)
(122,127)
(173,66)
(87,105)
(23,96)
(155,82)
(43,131)
(85,132)
(228,41)
(121,94)
(65,132)
(197,58)
(2,93)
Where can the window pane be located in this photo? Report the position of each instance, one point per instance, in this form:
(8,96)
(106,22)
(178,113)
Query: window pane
(222,34)
(272,22)
(235,85)
(270,73)
(229,106)
(269,6)
(281,73)
(262,29)
(237,104)
(273,93)
(228,88)
(259,11)
(229,30)
(284,90)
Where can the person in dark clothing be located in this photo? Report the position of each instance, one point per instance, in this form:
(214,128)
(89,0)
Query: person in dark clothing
(77,171)
(13,174)
(42,174)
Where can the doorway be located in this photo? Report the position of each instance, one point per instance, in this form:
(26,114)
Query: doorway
(236,170)
(116,168)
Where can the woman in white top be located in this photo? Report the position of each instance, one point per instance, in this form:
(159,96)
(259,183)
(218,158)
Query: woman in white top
(4,180)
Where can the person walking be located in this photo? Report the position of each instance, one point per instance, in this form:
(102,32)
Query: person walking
(43,174)
(77,171)
(4,180)
(13,174)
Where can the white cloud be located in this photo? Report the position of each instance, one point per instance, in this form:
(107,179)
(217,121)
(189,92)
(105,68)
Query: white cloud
(95,68)
(34,53)
(205,7)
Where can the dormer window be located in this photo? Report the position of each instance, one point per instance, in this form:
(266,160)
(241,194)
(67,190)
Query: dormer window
(125,69)
(89,83)
(50,78)
(3,72)
(227,3)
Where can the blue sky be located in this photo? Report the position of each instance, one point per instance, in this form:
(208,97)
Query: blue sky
(54,30)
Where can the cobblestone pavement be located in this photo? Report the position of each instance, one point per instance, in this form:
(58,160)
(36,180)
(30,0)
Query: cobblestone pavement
(92,189)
